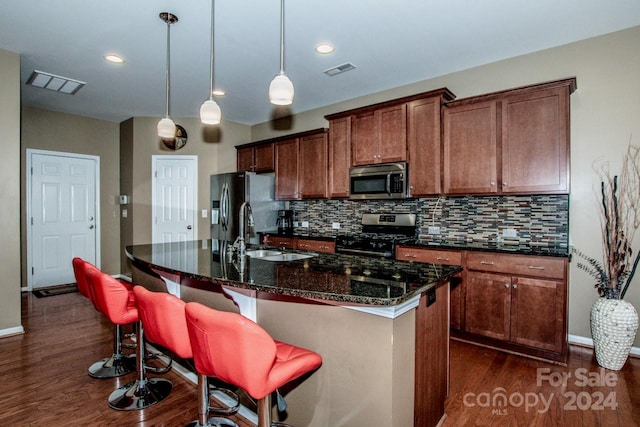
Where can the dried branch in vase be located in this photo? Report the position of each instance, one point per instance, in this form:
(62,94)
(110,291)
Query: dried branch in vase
(619,219)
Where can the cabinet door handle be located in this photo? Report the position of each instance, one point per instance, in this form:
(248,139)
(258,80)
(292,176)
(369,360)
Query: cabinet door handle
(442,259)
(486,262)
(492,183)
(515,286)
(506,285)
(504,184)
(535,267)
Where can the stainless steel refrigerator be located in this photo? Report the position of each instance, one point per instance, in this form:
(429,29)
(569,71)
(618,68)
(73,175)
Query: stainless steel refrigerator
(229,191)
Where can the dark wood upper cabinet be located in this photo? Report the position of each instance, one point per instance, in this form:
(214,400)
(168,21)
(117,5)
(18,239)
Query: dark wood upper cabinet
(245,159)
(470,149)
(256,158)
(287,169)
(423,146)
(535,142)
(379,136)
(339,157)
(312,158)
(510,142)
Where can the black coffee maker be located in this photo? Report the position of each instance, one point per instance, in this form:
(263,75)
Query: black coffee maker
(285,221)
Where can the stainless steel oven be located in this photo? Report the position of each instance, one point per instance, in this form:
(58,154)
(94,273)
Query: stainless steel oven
(383,181)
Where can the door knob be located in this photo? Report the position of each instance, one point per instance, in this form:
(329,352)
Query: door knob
(188,227)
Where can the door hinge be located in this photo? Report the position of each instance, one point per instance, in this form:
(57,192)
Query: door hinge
(155,174)
(31,220)
(32,271)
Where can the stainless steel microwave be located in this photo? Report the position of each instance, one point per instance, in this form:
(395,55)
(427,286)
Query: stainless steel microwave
(382,181)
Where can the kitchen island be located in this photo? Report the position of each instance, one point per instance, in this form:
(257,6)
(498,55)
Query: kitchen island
(380,325)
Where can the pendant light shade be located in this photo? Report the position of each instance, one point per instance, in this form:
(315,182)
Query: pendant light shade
(166,126)
(281,88)
(210,113)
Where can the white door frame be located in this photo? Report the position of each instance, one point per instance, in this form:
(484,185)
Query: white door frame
(30,245)
(154,202)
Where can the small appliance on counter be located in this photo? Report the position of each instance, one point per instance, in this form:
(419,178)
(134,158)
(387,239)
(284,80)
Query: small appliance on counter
(285,222)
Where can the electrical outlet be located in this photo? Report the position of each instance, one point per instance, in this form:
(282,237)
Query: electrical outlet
(124,213)
(305,224)
(434,230)
(509,233)
(335,226)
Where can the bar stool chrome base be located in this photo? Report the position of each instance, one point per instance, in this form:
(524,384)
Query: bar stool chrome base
(213,422)
(112,367)
(140,394)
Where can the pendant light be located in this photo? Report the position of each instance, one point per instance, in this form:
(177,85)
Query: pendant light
(281,88)
(210,113)
(166,126)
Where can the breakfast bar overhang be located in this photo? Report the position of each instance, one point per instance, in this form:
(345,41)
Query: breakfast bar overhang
(380,325)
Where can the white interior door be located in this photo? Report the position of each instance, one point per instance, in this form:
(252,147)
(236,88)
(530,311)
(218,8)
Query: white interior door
(63,215)
(175,189)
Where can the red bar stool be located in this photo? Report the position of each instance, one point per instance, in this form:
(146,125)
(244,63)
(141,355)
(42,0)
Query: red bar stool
(237,350)
(165,324)
(113,299)
(118,363)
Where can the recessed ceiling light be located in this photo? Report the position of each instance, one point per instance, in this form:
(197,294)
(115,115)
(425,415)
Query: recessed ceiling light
(114,58)
(218,92)
(325,48)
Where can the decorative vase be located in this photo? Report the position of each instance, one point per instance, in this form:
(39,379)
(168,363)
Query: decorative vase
(614,324)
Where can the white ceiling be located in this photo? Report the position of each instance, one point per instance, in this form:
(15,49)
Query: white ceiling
(392,43)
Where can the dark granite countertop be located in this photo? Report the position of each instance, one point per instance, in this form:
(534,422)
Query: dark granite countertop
(335,278)
(504,246)
(492,246)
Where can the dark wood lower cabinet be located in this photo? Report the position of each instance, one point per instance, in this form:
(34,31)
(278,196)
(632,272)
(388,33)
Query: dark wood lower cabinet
(517,303)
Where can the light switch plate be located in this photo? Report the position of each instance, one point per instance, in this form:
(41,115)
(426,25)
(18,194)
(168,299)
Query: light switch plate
(335,226)
(204,213)
(434,230)
(305,224)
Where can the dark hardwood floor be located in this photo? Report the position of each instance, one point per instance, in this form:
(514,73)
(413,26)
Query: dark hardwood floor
(43,381)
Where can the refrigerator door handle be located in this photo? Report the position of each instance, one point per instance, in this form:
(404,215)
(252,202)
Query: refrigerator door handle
(225,208)
(222,218)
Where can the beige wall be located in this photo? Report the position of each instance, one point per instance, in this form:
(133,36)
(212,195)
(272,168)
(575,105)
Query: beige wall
(605,112)
(216,154)
(49,130)
(10,319)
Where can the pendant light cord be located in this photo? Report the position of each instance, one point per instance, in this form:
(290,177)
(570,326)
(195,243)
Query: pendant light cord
(281,36)
(168,63)
(211,56)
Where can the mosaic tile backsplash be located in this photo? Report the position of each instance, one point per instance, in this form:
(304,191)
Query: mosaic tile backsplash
(539,220)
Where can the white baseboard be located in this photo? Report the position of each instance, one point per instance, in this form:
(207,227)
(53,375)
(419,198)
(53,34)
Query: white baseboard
(588,342)
(11,331)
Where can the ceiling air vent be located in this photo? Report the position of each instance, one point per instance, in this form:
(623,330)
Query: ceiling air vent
(56,83)
(347,66)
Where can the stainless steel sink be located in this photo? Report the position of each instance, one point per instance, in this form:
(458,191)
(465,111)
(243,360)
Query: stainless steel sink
(261,253)
(287,257)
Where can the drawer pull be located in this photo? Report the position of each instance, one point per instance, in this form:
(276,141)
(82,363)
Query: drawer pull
(410,256)
(486,262)
(442,259)
(535,267)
